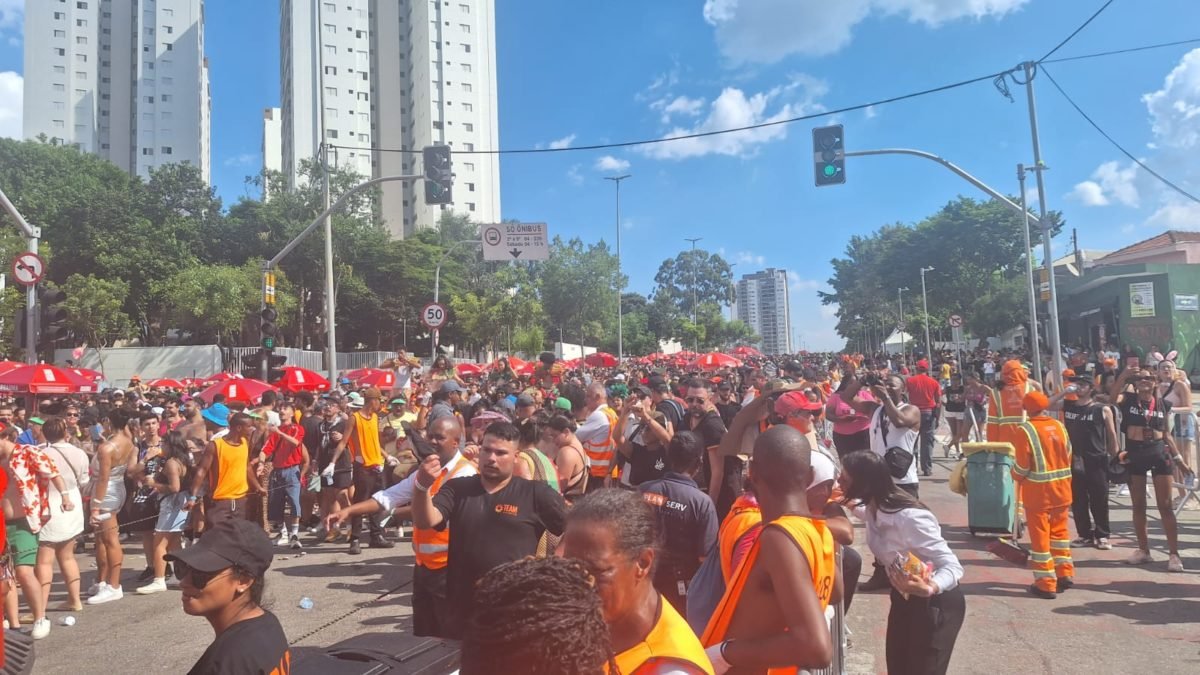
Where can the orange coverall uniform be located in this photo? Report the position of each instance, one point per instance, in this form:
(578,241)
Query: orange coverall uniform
(1005,413)
(1043,470)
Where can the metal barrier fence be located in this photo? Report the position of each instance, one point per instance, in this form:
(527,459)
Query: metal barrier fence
(308,359)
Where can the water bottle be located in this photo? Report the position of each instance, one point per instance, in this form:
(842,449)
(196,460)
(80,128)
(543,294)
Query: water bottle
(306,603)
(67,620)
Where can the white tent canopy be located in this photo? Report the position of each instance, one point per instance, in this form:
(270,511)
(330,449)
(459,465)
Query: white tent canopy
(895,342)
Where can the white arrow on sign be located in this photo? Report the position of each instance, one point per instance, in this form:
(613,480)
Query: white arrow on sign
(28,268)
(516,241)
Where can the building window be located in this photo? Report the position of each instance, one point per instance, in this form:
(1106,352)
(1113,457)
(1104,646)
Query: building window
(468,126)
(330,28)
(168,46)
(465,9)
(80,75)
(80,40)
(167,81)
(470,187)
(470,147)
(331,70)
(82,23)
(470,206)
(469,166)
(467,107)
(466,28)
(168,12)
(147,151)
(329,7)
(59,105)
(331,50)
(149,99)
(149,65)
(467,48)
(60,33)
(82,58)
(60,70)
(331,133)
(59,51)
(165,98)
(59,124)
(330,91)
(466,67)
(466,87)
(169,30)
(166,149)
(362,96)
(59,15)
(331,113)
(363,138)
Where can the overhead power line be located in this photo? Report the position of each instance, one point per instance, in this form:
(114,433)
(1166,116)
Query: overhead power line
(1115,144)
(1160,45)
(1076,32)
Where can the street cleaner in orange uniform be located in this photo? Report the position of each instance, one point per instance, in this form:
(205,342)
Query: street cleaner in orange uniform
(1043,469)
(1005,413)
(772,616)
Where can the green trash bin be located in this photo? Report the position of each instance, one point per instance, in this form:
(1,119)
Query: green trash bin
(991,493)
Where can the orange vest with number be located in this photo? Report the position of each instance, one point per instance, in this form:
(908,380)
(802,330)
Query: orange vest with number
(814,541)
(670,643)
(431,548)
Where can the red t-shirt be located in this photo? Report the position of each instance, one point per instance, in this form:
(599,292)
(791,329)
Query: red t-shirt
(924,391)
(282,454)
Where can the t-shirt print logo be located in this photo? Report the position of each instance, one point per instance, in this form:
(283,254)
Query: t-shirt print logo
(654,499)
(507,509)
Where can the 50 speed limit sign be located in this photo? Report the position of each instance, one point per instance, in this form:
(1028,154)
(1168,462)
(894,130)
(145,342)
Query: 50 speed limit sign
(433,315)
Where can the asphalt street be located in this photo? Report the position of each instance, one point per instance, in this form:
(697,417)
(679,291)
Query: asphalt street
(1117,619)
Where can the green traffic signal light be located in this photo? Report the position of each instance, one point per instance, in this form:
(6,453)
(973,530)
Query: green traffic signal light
(830,171)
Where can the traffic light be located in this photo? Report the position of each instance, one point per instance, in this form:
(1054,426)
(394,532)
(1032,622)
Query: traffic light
(438,178)
(829,155)
(274,367)
(253,363)
(267,327)
(53,317)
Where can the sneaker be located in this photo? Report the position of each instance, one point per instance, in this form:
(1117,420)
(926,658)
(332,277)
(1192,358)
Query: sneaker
(1040,593)
(355,547)
(875,583)
(107,595)
(1123,491)
(296,545)
(1174,564)
(1103,544)
(172,582)
(1080,542)
(1139,557)
(97,587)
(147,574)
(1065,584)
(41,629)
(381,542)
(283,539)
(156,586)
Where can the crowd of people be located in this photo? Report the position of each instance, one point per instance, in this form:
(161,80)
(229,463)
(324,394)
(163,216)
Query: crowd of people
(653,516)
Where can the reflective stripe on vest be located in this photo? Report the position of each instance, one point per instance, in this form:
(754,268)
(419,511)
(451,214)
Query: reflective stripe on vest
(1038,473)
(600,456)
(430,547)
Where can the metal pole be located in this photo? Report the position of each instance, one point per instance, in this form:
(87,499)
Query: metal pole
(1032,292)
(1038,167)
(620,314)
(903,338)
(434,333)
(925,306)
(330,300)
(32,235)
(696,343)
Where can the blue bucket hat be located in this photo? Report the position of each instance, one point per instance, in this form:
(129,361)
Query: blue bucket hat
(216,413)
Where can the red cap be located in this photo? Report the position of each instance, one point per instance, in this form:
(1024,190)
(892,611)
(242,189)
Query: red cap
(794,401)
(922,365)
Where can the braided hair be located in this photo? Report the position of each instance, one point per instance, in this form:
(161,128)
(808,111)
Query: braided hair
(540,617)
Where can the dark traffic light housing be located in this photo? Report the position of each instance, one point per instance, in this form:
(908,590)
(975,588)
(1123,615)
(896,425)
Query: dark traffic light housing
(829,155)
(267,327)
(52,317)
(253,366)
(439,179)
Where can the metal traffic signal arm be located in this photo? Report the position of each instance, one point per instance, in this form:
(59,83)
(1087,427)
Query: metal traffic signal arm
(32,235)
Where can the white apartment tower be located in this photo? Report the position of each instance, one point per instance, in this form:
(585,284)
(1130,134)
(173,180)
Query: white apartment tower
(762,304)
(272,153)
(391,77)
(124,79)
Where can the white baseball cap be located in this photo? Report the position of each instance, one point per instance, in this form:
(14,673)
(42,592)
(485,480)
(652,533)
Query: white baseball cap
(823,469)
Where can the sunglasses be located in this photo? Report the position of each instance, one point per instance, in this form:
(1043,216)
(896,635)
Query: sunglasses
(198,579)
(696,399)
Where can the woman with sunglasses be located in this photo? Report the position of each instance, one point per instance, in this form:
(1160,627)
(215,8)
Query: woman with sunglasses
(1148,447)
(221,577)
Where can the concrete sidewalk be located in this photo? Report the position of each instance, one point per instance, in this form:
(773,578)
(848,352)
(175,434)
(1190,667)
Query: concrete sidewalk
(1117,619)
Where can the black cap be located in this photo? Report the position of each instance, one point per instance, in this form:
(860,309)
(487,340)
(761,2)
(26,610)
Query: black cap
(230,543)
(525,400)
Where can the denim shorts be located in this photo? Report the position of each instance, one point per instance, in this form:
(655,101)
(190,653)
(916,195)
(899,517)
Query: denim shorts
(284,485)
(1184,426)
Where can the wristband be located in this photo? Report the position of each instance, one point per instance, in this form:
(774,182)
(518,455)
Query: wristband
(191,499)
(417,486)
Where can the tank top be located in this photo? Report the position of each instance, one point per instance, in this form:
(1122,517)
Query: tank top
(1085,427)
(670,642)
(885,435)
(1150,414)
(364,444)
(542,468)
(229,481)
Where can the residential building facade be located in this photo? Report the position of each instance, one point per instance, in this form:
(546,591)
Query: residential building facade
(272,150)
(386,79)
(762,304)
(123,79)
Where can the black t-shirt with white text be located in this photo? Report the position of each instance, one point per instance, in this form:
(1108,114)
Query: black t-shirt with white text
(252,647)
(488,530)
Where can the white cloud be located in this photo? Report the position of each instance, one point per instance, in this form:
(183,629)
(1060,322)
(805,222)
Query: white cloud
(1176,214)
(574,175)
(748,258)
(627,223)
(12,91)
(766,31)
(870,112)
(1088,193)
(1110,184)
(610,163)
(734,109)
(12,13)
(564,142)
(680,105)
(241,159)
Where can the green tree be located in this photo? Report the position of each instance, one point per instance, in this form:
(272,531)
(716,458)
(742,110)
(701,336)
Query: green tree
(578,290)
(697,276)
(95,311)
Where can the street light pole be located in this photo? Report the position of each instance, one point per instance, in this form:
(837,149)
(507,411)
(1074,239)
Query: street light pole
(437,287)
(903,341)
(696,344)
(925,306)
(1029,282)
(620,314)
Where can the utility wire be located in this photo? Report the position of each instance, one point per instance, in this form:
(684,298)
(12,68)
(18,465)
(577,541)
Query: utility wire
(1121,51)
(1117,145)
(704,134)
(1077,30)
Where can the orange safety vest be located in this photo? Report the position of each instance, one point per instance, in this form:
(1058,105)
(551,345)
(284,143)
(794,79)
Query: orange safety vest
(229,479)
(600,456)
(742,517)
(670,642)
(814,540)
(1005,413)
(431,548)
(364,444)
(1043,463)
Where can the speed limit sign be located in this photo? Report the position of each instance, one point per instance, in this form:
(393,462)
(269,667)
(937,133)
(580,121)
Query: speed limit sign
(433,315)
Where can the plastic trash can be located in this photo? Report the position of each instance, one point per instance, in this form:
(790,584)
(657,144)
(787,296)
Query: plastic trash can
(991,492)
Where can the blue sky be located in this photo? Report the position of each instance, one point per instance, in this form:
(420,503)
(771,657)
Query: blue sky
(582,73)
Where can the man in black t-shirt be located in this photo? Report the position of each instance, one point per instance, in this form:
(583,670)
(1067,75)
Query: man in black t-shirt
(1092,431)
(665,403)
(727,405)
(494,517)
(721,475)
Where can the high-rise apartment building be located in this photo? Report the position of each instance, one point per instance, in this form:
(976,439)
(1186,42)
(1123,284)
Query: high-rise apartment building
(272,152)
(123,79)
(387,78)
(762,304)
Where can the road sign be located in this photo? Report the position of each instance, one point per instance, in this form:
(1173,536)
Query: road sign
(28,268)
(433,315)
(516,241)
(955,321)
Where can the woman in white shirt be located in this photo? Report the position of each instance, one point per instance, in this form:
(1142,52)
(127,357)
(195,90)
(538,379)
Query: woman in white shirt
(57,536)
(926,613)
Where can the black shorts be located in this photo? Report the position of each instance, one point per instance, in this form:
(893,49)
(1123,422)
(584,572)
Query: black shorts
(1149,456)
